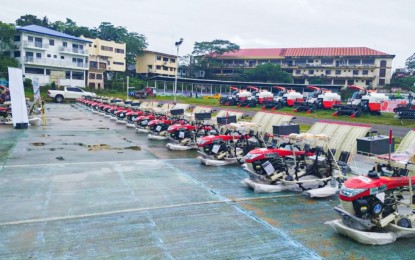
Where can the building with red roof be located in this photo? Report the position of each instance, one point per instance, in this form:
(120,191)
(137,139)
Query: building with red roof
(360,66)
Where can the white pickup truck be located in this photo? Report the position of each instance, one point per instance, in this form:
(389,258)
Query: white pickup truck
(69,93)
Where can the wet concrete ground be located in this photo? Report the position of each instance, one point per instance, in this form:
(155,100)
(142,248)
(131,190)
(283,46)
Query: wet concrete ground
(85,187)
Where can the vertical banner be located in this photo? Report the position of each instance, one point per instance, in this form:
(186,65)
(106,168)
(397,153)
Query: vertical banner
(18,99)
(36,90)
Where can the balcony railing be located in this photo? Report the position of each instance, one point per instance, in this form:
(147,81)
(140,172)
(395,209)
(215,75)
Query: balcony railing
(55,62)
(37,45)
(73,50)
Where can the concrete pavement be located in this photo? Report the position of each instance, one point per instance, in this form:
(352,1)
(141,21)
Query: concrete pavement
(85,187)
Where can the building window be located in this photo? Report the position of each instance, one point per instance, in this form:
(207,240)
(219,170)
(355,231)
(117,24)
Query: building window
(77,75)
(93,64)
(339,82)
(55,56)
(383,63)
(382,73)
(365,72)
(367,62)
(301,62)
(310,72)
(150,66)
(354,61)
(355,72)
(95,46)
(99,76)
(328,72)
(90,45)
(158,57)
(16,38)
(30,38)
(51,42)
(39,55)
(68,74)
(165,68)
(17,54)
(158,67)
(338,72)
(48,55)
(91,75)
(47,71)
(351,82)
(37,71)
(173,60)
(106,48)
(381,82)
(62,57)
(119,51)
(65,44)
(91,84)
(118,63)
(165,59)
(298,72)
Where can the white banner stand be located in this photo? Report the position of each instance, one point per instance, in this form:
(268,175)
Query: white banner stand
(36,90)
(18,99)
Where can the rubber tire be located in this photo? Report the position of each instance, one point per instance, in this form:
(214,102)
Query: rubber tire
(59,98)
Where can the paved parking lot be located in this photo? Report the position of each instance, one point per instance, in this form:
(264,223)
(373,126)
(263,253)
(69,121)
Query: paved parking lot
(85,187)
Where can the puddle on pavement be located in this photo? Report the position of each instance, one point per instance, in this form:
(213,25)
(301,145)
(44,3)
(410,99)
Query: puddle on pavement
(78,144)
(38,144)
(69,119)
(106,147)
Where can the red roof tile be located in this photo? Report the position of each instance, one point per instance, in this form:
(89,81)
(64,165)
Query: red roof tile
(298,52)
(275,52)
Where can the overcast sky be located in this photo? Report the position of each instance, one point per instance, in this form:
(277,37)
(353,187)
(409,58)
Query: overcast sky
(383,25)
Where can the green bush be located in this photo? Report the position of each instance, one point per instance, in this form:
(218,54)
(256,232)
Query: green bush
(27,83)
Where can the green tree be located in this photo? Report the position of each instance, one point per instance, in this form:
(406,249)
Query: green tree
(410,62)
(7,32)
(107,31)
(6,62)
(30,19)
(135,44)
(406,83)
(316,81)
(267,73)
(215,48)
(210,51)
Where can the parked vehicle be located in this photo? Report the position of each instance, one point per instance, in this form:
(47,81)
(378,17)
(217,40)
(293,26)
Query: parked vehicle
(69,93)
(362,101)
(146,92)
(320,98)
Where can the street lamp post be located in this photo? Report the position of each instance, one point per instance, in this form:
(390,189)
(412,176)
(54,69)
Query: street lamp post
(177,67)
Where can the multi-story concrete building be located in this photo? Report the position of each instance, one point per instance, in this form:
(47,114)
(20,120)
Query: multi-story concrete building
(104,56)
(153,63)
(335,66)
(50,56)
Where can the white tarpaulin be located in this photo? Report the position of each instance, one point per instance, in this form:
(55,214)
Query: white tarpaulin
(17,96)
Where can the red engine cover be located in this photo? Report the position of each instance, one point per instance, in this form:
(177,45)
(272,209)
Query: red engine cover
(373,186)
(206,140)
(264,153)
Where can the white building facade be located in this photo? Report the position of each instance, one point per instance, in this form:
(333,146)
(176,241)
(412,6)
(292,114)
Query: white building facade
(48,56)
